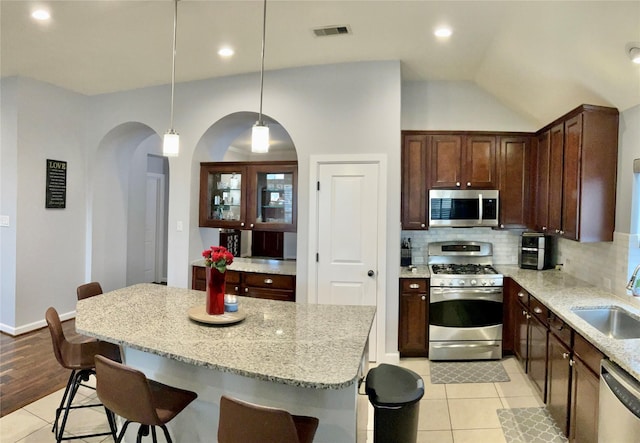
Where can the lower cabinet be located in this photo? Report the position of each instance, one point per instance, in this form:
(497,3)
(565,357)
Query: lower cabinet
(413,340)
(251,284)
(560,363)
(558,382)
(585,392)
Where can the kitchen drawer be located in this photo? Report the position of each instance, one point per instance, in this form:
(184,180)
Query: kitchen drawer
(560,329)
(539,310)
(276,281)
(232,277)
(270,294)
(198,278)
(413,285)
(523,297)
(588,353)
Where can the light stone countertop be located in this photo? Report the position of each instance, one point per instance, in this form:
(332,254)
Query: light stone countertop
(305,345)
(416,271)
(258,265)
(560,292)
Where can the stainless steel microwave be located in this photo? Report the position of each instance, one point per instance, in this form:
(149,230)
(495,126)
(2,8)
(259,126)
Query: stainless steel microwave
(463,207)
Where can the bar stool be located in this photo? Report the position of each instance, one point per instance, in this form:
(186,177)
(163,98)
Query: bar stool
(79,357)
(128,393)
(88,290)
(249,423)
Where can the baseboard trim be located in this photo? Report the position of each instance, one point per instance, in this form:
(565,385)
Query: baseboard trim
(14,331)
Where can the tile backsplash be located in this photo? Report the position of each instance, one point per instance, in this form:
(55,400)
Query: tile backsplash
(505,243)
(605,264)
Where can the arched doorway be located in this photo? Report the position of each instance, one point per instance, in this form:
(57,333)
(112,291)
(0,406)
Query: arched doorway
(128,208)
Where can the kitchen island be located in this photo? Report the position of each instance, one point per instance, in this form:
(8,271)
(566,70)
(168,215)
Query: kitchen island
(306,359)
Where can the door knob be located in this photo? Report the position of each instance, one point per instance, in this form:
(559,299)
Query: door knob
(370,273)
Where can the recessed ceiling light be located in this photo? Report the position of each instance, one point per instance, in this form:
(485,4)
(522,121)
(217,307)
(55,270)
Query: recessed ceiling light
(634,55)
(443,32)
(41,14)
(225,52)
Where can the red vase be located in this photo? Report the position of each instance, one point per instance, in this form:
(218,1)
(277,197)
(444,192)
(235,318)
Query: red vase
(215,291)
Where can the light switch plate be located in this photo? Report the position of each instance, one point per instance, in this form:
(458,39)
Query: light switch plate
(179,226)
(4,221)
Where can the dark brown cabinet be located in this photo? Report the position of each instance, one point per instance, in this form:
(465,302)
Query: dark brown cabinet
(413,322)
(514,164)
(559,373)
(414,182)
(462,161)
(251,284)
(576,174)
(528,329)
(249,195)
(585,392)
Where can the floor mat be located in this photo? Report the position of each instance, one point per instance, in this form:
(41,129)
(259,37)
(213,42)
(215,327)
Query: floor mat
(529,425)
(468,372)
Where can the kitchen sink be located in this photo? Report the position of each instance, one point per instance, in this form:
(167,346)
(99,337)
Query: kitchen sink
(614,322)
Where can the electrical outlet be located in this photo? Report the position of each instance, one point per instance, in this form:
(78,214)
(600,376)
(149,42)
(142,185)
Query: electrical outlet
(559,267)
(4,221)
(179,226)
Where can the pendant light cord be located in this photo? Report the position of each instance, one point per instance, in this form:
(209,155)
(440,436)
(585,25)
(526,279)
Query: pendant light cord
(173,62)
(264,33)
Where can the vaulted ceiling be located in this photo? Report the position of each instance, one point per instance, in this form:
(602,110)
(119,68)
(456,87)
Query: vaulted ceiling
(540,58)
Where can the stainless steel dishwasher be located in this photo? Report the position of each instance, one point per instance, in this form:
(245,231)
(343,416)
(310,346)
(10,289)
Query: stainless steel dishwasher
(619,409)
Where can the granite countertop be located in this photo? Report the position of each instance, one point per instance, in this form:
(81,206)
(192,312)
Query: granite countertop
(258,265)
(560,292)
(306,345)
(415,271)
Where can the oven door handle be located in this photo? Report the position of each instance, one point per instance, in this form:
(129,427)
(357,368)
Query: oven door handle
(469,345)
(448,294)
(480,208)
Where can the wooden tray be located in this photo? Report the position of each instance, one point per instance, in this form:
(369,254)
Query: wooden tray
(199,314)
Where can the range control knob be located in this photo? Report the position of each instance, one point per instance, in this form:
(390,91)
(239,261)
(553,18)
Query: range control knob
(461,283)
(474,282)
(492,282)
(484,283)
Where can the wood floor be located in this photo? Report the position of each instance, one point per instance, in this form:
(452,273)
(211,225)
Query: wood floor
(28,368)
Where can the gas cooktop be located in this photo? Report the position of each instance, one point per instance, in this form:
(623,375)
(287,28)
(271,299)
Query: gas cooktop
(462,269)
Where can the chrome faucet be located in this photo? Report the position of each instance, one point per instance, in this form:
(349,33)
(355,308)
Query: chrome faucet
(632,280)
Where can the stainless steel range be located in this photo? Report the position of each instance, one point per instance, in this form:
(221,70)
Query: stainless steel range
(465,307)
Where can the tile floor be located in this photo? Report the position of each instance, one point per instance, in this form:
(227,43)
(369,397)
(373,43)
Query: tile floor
(449,413)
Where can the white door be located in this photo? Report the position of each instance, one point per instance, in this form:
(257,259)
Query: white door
(153,244)
(347,243)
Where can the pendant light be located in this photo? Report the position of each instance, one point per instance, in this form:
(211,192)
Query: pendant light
(171,142)
(260,131)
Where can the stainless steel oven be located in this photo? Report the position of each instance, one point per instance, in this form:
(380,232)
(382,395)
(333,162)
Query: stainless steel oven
(466,302)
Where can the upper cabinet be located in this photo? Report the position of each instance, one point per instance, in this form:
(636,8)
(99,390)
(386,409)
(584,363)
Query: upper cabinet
(462,161)
(576,175)
(249,195)
(514,164)
(414,182)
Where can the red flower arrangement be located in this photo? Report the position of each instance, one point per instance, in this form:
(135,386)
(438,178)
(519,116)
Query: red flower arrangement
(217,257)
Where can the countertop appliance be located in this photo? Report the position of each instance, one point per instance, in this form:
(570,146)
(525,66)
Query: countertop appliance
(463,207)
(619,405)
(466,302)
(536,251)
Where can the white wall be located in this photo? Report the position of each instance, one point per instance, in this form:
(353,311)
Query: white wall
(49,243)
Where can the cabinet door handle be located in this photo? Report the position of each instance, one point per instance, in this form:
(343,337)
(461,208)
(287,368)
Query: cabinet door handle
(571,362)
(537,310)
(251,225)
(521,294)
(544,228)
(424,297)
(422,225)
(565,355)
(242,224)
(458,184)
(414,286)
(561,232)
(268,281)
(236,289)
(528,316)
(557,231)
(468,183)
(246,290)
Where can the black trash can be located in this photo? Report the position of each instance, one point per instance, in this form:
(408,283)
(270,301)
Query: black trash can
(394,393)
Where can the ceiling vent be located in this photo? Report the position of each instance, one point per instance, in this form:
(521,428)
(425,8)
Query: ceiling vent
(332,30)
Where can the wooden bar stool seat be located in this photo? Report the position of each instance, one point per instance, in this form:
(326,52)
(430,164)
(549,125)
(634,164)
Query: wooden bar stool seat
(249,423)
(79,358)
(128,393)
(88,290)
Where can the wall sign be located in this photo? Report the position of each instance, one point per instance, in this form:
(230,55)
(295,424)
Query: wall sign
(56,193)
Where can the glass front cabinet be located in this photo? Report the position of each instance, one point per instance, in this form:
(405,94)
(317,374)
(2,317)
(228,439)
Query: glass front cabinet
(249,195)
